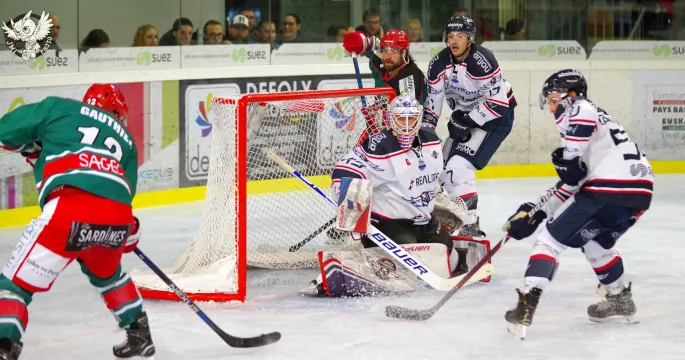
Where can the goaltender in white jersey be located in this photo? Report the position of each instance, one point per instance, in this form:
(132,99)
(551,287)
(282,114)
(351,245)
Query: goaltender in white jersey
(392,180)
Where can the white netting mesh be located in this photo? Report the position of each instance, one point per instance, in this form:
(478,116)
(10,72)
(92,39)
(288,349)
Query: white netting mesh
(311,133)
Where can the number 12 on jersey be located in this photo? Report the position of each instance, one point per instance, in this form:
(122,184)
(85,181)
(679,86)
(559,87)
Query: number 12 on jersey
(90,135)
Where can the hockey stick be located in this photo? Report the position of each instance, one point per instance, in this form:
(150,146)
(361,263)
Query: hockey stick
(311,236)
(400,312)
(233,341)
(389,246)
(359,76)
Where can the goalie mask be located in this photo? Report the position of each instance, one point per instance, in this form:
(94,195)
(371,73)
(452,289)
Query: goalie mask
(403,117)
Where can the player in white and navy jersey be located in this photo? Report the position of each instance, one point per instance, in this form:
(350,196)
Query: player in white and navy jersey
(469,78)
(606,184)
(401,167)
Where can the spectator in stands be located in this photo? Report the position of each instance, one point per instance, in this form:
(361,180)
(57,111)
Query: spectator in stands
(515,30)
(180,34)
(413,28)
(372,23)
(265,33)
(291,29)
(336,33)
(250,15)
(239,31)
(146,35)
(212,33)
(54,31)
(460,12)
(96,38)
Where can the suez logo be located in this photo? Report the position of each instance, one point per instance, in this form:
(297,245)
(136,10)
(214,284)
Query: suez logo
(41,62)
(550,50)
(241,55)
(667,50)
(145,58)
(399,253)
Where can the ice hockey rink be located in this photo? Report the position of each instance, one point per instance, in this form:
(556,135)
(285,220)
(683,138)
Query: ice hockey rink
(71,322)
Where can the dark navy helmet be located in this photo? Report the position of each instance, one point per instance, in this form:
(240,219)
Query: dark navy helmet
(460,24)
(562,82)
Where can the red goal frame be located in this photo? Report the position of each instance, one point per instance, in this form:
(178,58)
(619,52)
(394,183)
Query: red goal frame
(241,171)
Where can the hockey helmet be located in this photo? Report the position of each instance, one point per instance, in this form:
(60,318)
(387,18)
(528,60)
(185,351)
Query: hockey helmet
(108,97)
(460,24)
(395,39)
(403,117)
(562,82)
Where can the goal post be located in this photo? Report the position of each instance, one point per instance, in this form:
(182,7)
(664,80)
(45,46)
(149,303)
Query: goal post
(254,212)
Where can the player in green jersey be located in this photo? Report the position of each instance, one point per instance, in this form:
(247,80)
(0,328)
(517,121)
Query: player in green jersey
(390,62)
(86,169)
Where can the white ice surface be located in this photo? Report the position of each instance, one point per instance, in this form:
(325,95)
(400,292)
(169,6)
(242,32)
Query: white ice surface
(70,322)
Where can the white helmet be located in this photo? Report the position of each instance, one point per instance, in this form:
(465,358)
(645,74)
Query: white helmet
(403,117)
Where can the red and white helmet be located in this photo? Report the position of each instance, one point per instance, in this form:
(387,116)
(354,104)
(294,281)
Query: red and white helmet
(108,97)
(397,39)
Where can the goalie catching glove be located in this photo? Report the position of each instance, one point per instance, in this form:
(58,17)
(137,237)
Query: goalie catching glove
(448,211)
(354,205)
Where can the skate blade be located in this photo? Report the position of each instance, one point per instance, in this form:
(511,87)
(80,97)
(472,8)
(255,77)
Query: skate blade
(518,330)
(616,319)
(137,357)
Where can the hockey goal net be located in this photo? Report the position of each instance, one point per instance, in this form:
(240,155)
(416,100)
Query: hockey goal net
(255,214)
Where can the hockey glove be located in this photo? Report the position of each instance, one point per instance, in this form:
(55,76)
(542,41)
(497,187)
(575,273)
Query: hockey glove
(520,225)
(460,126)
(132,241)
(572,171)
(359,43)
(32,152)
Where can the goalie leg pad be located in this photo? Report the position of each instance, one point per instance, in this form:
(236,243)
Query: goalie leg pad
(371,272)
(354,205)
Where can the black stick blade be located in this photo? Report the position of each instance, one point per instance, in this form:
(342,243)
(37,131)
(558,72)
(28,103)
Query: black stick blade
(399,312)
(261,340)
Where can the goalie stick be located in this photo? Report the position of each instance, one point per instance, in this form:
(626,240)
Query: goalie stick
(233,341)
(400,312)
(311,236)
(389,246)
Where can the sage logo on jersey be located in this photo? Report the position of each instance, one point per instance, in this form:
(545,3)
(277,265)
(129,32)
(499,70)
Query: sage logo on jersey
(84,235)
(204,108)
(28,36)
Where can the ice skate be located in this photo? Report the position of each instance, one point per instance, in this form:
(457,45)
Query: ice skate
(462,267)
(615,309)
(10,350)
(521,317)
(472,230)
(138,343)
(315,288)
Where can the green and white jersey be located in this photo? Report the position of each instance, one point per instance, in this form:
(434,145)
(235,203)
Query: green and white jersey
(83,146)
